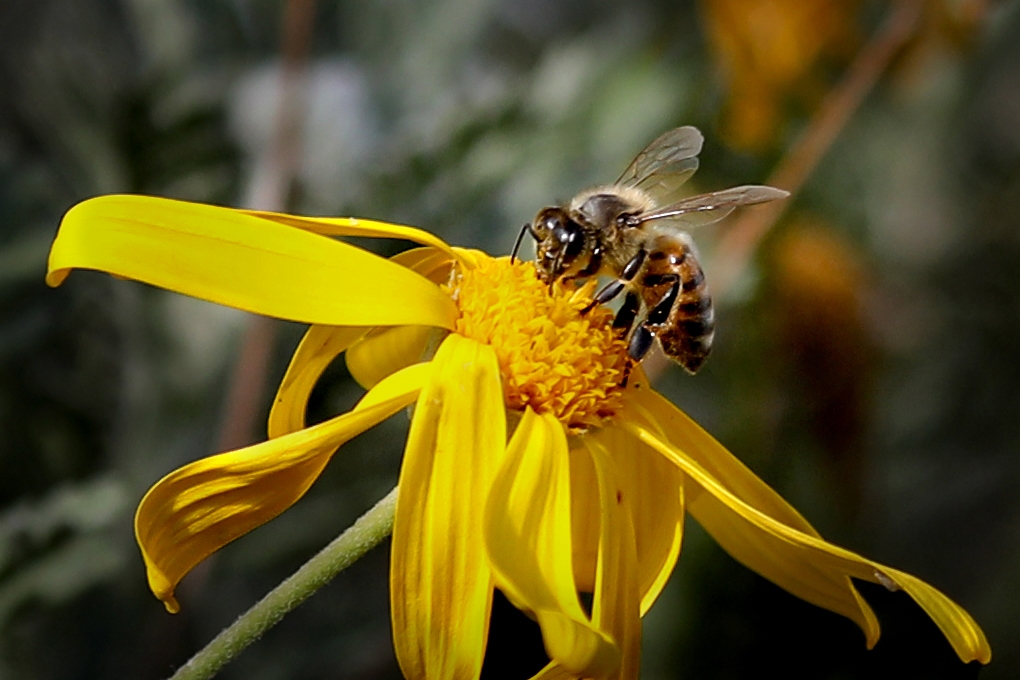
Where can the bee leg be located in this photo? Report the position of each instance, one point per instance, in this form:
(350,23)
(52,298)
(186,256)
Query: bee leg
(624,320)
(660,312)
(640,343)
(641,340)
(608,292)
(632,267)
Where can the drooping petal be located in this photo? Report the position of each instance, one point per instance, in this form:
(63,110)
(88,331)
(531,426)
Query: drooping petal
(199,508)
(701,447)
(440,581)
(235,259)
(616,605)
(803,578)
(802,563)
(528,536)
(656,492)
(319,346)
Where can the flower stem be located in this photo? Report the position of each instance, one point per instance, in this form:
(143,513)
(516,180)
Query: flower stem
(366,533)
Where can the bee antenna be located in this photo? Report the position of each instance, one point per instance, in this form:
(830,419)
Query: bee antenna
(520,237)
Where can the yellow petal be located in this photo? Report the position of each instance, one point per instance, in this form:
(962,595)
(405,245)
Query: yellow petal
(387,349)
(831,590)
(229,257)
(199,508)
(616,609)
(553,671)
(528,536)
(691,438)
(432,263)
(317,349)
(397,384)
(655,491)
(810,562)
(355,226)
(440,581)
(585,508)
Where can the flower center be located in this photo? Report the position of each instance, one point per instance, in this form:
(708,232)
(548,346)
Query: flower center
(552,358)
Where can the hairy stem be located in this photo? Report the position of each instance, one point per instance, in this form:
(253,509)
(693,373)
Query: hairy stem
(366,533)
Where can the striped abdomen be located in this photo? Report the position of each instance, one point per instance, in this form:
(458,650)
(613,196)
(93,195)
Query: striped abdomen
(687,331)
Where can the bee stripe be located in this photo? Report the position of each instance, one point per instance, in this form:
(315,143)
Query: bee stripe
(695,328)
(695,307)
(693,283)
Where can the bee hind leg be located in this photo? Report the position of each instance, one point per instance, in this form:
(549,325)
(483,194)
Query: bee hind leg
(641,340)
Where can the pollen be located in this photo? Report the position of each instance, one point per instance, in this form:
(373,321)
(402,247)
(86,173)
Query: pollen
(552,357)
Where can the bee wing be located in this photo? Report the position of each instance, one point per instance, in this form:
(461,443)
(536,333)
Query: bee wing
(708,208)
(665,164)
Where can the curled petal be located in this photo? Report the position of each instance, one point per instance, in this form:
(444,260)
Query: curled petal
(199,508)
(235,259)
(802,563)
(440,581)
(528,536)
(319,346)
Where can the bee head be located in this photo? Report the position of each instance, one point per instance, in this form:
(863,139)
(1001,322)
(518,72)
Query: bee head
(560,240)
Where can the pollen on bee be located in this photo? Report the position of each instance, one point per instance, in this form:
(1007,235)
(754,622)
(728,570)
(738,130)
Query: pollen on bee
(552,357)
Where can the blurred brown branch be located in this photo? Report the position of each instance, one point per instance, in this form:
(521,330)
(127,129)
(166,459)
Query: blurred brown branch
(270,189)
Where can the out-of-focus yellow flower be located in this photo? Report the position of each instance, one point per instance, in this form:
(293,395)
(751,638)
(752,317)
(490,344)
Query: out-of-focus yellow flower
(769,53)
(777,55)
(528,467)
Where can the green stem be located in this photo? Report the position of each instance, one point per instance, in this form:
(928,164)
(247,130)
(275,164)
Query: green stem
(366,533)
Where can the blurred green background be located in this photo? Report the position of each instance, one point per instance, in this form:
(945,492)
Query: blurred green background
(867,361)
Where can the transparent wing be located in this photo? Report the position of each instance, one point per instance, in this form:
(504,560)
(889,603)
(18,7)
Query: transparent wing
(666,163)
(708,208)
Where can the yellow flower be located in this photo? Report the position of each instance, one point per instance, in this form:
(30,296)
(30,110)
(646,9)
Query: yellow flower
(528,467)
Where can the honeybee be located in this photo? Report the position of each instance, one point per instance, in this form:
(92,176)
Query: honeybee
(635,231)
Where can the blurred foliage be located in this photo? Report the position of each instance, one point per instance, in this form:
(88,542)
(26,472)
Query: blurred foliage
(867,365)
